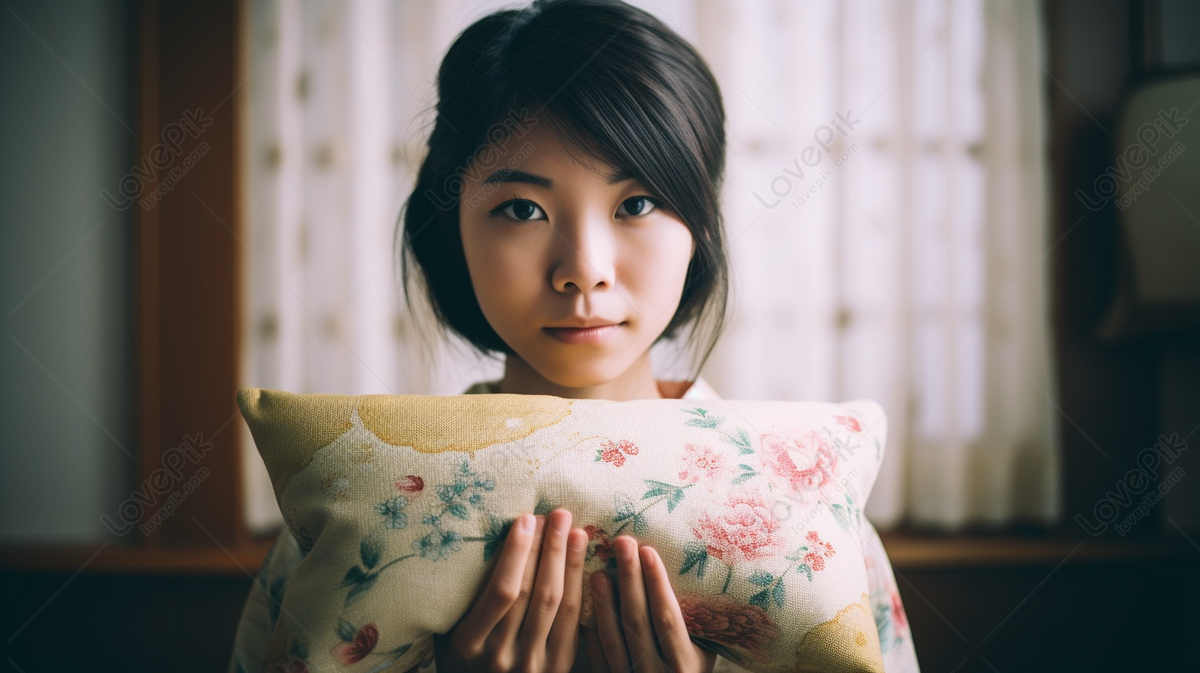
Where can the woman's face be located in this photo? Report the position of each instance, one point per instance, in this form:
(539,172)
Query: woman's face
(557,243)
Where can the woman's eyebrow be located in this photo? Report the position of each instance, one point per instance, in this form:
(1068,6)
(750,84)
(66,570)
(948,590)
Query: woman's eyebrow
(620,176)
(511,175)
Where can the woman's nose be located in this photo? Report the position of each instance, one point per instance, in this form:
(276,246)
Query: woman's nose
(584,253)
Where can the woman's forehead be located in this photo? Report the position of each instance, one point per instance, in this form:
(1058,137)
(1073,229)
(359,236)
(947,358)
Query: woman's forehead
(545,151)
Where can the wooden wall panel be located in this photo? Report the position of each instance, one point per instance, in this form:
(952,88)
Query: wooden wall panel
(189,264)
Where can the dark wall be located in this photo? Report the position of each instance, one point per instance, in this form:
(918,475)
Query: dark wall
(1090,616)
(123,624)
(66,358)
(1117,396)
(1109,392)
(1094,617)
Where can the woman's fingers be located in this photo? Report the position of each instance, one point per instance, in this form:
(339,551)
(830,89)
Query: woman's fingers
(502,590)
(548,588)
(608,626)
(506,630)
(534,597)
(595,651)
(669,628)
(564,636)
(635,612)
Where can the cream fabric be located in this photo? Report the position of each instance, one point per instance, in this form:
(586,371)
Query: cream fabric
(850,597)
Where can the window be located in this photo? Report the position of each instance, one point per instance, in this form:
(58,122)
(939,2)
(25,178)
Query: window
(885,203)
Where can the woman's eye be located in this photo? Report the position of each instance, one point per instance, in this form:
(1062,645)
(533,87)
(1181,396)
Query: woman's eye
(638,205)
(523,210)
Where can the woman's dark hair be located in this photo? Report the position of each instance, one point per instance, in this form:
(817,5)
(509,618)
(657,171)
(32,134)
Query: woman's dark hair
(613,81)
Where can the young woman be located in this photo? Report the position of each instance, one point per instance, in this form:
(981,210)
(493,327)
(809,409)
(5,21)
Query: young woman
(567,216)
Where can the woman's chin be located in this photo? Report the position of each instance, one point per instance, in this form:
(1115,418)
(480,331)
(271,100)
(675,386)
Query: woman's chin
(582,371)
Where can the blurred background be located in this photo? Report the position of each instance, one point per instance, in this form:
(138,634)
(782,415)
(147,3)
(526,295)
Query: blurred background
(982,213)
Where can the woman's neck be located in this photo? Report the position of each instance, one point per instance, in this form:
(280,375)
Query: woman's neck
(636,383)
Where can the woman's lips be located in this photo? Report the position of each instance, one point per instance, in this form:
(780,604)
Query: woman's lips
(579,335)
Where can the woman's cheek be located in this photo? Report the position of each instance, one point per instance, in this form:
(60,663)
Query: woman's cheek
(508,277)
(661,271)
(516,269)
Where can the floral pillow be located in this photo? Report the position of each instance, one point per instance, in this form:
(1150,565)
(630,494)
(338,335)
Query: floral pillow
(399,502)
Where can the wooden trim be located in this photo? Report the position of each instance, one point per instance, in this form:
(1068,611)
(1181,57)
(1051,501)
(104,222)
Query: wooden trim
(146,253)
(187,302)
(906,551)
(241,559)
(188,274)
(910,552)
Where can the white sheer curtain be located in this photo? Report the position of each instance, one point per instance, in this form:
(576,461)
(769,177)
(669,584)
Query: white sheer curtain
(909,264)
(884,205)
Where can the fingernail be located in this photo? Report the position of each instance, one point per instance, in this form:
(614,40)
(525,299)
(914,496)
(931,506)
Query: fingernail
(576,543)
(561,524)
(629,548)
(527,522)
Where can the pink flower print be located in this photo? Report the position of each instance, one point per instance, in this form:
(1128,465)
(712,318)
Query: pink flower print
(744,529)
(614,452)
(599,545)
(724,620)
(411,484)
(824,548)
(356,650)
(700,462)
(819,551)
(849,422)
(805,460)
(611,455)
(899,619)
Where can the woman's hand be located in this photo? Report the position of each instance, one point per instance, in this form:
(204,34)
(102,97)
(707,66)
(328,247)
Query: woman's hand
(527,618)
(650,635)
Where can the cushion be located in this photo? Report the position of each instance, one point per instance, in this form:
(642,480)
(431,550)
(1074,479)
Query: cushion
(399,501)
